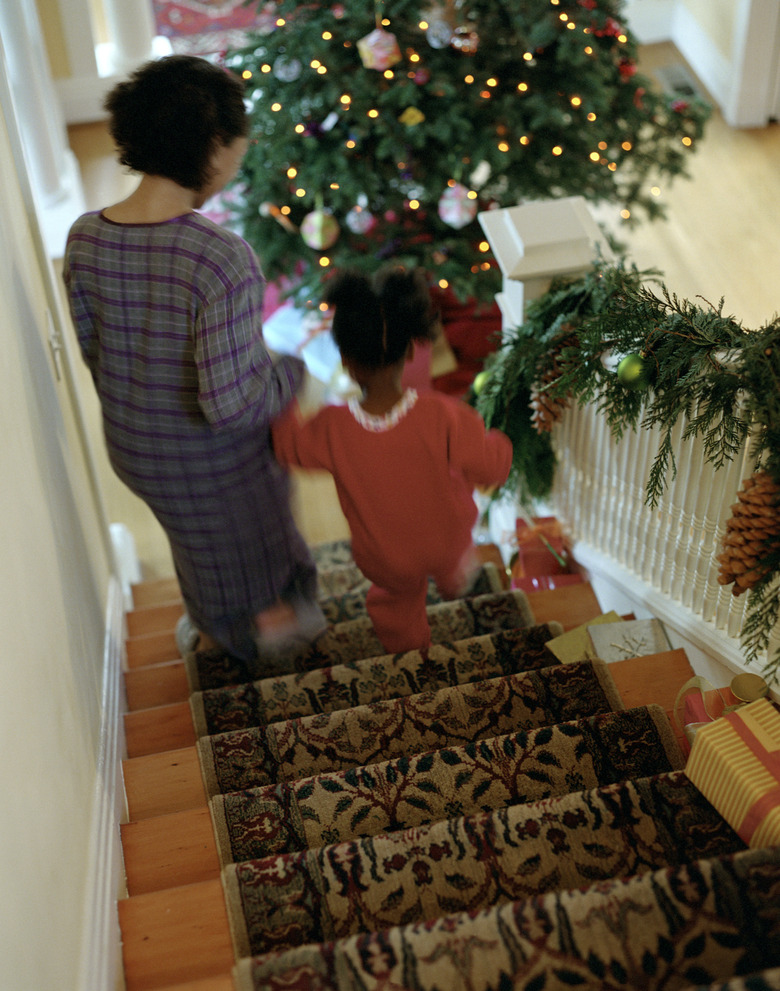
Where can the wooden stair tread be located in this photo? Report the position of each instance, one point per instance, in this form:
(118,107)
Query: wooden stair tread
(158,784)
(176,935)
(151,648)
(654,678)
(154,618)
(156,685)
(221,982)
(155,591)
(570,605)
(169,851)
(163,727)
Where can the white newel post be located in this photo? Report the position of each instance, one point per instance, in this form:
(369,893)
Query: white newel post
(533,243)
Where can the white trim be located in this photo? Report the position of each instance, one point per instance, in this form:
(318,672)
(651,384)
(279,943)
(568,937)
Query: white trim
(649,20)
(712,652)
(710,65)
(101,951)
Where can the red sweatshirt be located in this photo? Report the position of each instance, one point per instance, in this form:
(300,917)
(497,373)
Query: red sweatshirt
(405,481)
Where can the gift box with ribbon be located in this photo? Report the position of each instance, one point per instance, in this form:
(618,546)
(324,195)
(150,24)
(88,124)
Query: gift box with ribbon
(735,764)
(541,548)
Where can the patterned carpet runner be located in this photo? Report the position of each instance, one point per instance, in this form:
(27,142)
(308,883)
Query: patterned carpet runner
(471,863)
(476,816)
(368,734)
(672,928)
(355,639)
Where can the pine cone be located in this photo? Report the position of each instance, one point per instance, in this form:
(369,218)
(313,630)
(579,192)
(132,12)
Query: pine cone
(547,409)
(752,532)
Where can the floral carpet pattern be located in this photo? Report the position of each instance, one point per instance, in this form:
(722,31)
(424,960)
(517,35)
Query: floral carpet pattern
(445,783)
(343,686)
(355,639)
(471,863)
(368,734)
(672,928)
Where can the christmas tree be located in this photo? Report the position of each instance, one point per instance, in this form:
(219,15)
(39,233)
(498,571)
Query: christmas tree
(380,131)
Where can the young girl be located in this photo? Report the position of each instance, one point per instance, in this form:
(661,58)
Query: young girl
(405,465)
(166,306)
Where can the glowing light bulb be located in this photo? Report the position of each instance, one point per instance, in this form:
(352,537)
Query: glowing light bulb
(625,214)
(594,156)
(327,36)
(557,150)
(492,81)
(443,283)
(414,204)
(655,190)
(292,172)
(468,79)
(276,107)
(373,113)
(522,87)
(484,246)
(300,193)
(687,141)
(345,99)
(503,146)
(324,261)
(626,146)
(265,67)
(591,116)
(299,128)
(576,101)
(246,74)
(524,139)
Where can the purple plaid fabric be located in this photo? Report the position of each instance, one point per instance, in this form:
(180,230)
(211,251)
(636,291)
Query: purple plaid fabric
(168,320)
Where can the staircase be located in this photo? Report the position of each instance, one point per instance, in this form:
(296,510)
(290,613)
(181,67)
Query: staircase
(175,921)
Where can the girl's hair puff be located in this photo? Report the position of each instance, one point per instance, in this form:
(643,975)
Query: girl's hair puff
(171,115)
(376,318)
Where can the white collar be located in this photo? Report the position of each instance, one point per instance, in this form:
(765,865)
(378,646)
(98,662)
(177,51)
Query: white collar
(379,424)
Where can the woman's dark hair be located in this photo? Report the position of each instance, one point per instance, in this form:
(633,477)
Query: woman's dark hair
(376,318)
(172,114)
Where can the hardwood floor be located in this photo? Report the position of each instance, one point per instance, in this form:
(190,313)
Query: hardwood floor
(717,242)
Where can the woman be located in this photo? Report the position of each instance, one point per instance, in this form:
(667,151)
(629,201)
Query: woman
(166,307)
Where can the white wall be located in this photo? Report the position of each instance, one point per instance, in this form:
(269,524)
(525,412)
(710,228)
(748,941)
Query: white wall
(55,585)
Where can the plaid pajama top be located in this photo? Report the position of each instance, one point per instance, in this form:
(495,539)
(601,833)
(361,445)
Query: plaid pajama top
(168,319)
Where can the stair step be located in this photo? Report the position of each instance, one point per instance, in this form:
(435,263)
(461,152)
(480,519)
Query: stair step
(169,851)
(570,605)
(156,685)
(154,619)
(151,648)
(177,935)
(159,784)
(164,727)
(155,592)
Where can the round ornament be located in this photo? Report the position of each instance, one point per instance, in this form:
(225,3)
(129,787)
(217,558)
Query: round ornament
(319,230)
(438,34)
(379,50)
(632,371)
(287,70)
(480,381)
(359,220)
(456,207)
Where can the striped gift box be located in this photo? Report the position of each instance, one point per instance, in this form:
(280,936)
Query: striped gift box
(735,764)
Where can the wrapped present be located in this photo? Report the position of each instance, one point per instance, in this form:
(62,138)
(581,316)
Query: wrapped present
(541,548)
(735,764)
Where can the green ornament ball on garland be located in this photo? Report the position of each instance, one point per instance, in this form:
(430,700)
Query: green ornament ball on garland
(632,371)
(480,380)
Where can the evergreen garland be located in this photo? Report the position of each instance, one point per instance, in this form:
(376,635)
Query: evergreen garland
(694,362)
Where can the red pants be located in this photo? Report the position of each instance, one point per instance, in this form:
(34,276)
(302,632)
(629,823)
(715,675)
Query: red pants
(399,615)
